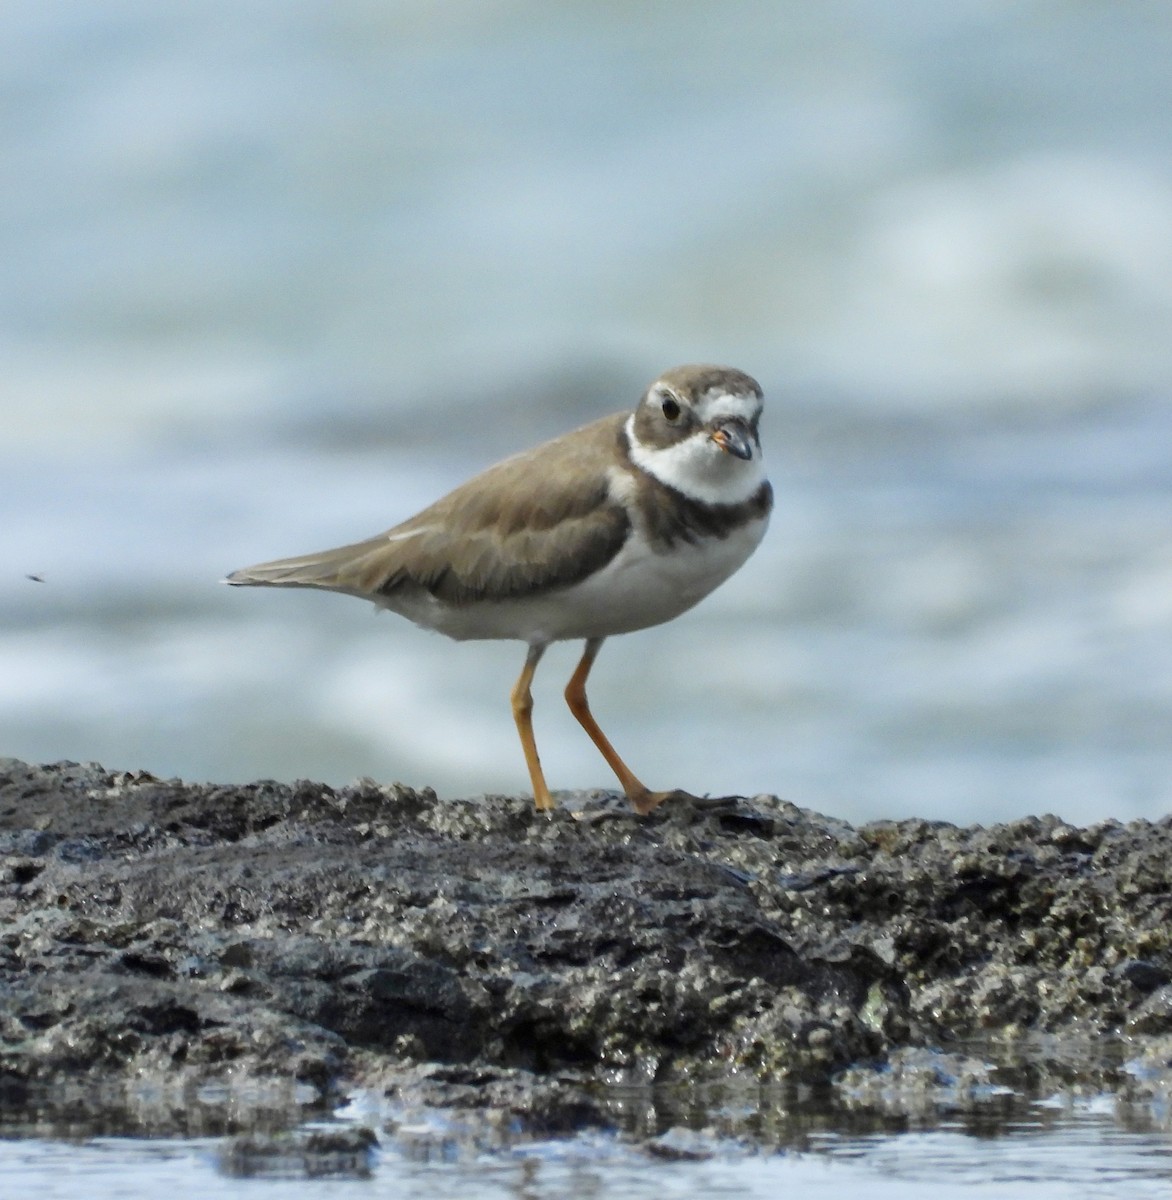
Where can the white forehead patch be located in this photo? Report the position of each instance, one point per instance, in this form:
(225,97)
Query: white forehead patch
(699,468)
(718,403)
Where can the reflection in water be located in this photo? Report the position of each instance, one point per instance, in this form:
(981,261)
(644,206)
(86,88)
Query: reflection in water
(1071,1122)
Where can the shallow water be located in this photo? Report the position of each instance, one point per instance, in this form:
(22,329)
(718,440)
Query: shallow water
(1064,1146)
(271,278)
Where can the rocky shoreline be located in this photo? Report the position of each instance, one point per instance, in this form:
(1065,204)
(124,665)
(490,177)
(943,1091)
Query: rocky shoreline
(476,952)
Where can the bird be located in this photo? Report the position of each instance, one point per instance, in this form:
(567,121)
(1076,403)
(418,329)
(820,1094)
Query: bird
(622,524)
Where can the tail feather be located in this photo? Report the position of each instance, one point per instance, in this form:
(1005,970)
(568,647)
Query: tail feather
(343,569)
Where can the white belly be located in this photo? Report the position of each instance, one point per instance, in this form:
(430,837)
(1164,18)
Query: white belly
(636,589)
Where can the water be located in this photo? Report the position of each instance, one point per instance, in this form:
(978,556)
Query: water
(272,277)
(1055,1150)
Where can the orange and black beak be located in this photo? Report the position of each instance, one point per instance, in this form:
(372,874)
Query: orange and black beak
(733,435)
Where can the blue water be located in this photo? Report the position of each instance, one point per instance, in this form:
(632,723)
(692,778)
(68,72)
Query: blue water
(273,276)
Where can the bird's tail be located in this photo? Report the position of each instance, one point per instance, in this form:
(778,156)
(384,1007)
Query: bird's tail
(343,569)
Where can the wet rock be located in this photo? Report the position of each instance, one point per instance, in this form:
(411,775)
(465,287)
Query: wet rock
(316,1154)
(326,935)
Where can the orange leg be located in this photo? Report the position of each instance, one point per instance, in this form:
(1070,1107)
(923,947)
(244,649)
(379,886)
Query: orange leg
(522,699)
(642,799)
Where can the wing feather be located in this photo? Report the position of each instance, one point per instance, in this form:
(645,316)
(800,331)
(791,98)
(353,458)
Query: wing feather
(541,520)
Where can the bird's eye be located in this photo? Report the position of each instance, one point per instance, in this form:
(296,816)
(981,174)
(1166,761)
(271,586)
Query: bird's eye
(671,409)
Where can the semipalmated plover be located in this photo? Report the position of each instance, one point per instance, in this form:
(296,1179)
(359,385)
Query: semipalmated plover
(622,524)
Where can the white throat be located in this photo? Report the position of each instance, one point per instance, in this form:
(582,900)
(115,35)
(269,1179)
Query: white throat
(699,468)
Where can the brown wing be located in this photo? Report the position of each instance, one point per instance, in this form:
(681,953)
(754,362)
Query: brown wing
(542,519)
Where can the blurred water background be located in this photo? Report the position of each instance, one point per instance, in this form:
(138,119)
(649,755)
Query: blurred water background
(274,275)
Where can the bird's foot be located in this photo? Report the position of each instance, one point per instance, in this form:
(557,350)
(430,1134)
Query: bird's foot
(647,801)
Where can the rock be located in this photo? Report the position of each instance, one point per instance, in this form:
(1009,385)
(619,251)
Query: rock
(331,936)
(316,1154)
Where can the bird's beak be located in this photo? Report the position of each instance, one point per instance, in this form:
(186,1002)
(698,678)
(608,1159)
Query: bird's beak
(732,434)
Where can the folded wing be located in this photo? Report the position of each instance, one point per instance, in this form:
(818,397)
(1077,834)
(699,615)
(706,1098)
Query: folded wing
(522,527)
